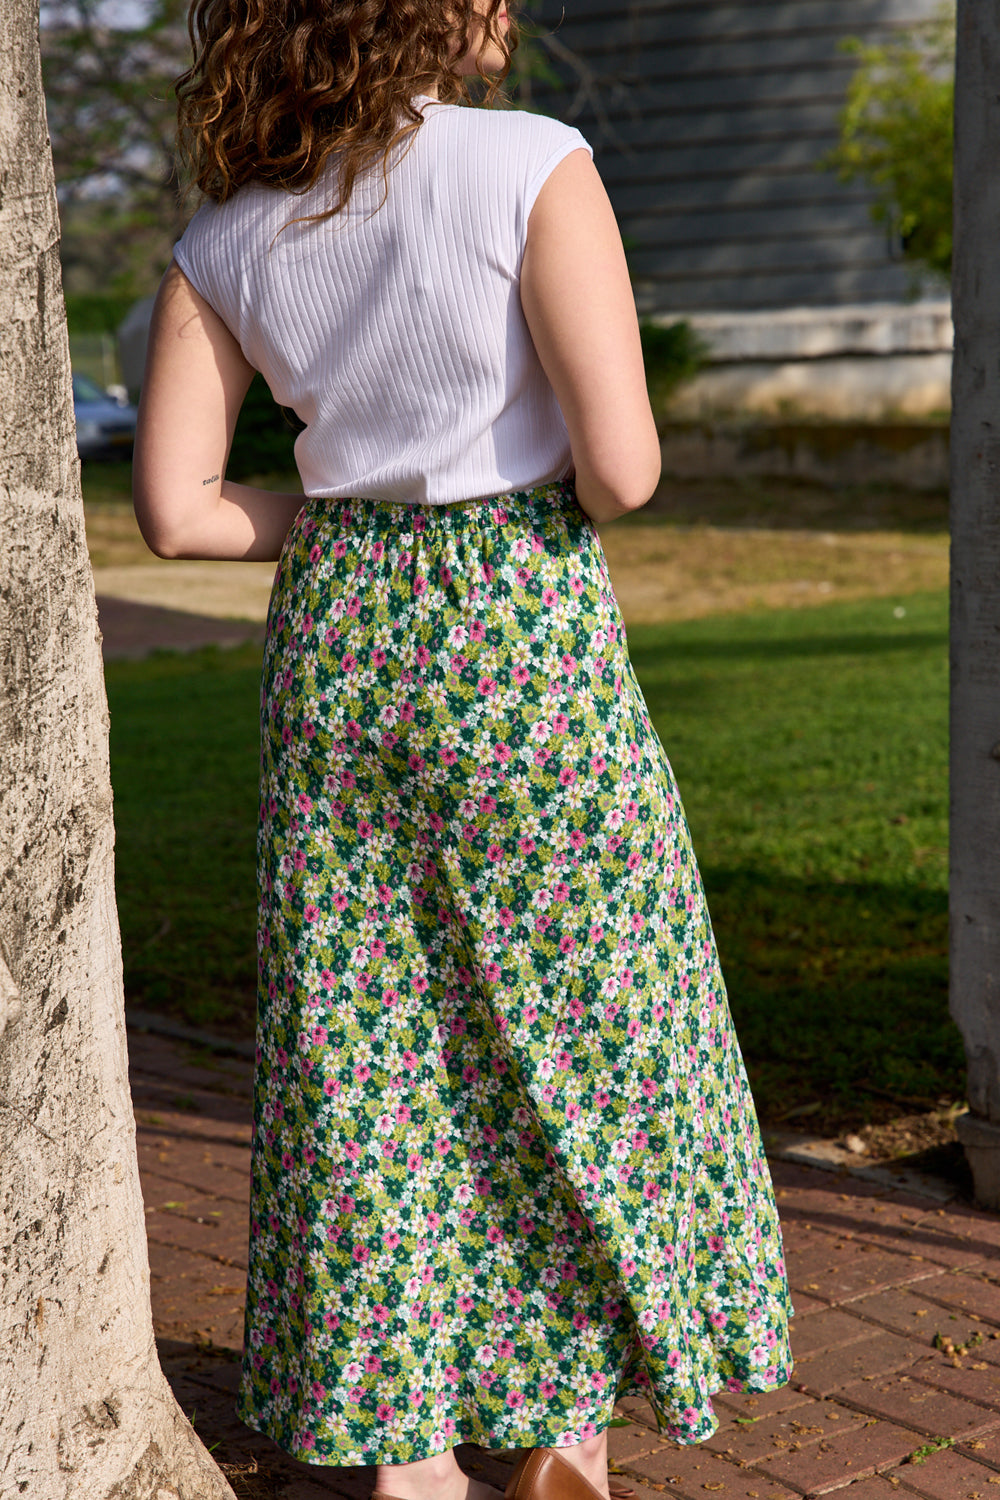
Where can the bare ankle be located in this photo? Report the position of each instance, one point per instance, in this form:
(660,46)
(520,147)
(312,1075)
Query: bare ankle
(590,1458)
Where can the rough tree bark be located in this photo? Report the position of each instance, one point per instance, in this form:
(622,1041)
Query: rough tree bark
(975,592)
(84,1408)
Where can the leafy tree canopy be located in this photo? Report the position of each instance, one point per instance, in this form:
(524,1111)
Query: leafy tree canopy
(111,112)
(896,133)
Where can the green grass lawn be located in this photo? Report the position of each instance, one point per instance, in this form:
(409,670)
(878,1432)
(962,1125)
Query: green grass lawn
(810,750)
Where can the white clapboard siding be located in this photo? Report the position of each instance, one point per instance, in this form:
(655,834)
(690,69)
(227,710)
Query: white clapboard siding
(710,122)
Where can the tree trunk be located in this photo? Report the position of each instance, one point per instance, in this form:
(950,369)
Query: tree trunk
(84,1408)
(975,594)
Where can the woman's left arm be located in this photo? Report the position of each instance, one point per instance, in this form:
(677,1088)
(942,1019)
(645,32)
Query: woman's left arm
(195,380)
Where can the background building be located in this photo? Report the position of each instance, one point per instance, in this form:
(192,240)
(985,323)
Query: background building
(710,122)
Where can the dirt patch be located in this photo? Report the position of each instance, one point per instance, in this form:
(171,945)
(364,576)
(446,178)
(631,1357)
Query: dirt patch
(662,569)
(222,590)
(672,572)
(793,505)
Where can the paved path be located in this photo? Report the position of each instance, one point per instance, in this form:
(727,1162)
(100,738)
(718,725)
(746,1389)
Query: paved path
(896,1335)
(133,629)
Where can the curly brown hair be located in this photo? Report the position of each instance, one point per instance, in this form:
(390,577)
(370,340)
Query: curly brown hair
(278,86)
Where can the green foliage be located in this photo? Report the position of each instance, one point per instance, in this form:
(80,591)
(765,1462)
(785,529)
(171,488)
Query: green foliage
(896,134)
(810,749)
(95,312)
(671,355)
(111,113)
(264,440)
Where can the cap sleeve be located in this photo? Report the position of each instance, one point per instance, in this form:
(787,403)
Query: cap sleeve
(202,256)
(560,142)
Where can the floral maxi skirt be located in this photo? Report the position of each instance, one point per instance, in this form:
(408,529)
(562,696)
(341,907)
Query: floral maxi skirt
(506,1164)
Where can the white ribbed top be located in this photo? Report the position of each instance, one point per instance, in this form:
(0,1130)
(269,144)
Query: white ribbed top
(396,332)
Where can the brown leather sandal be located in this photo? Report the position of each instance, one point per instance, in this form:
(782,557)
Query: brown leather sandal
(543,1475)
(618,1489)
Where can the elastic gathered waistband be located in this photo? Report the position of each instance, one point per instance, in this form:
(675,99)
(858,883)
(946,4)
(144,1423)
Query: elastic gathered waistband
(558,496)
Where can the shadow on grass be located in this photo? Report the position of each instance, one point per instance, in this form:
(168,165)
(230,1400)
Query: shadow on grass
(648,658)
(839,993)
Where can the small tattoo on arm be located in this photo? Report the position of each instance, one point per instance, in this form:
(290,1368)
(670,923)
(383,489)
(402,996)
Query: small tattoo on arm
(211,479)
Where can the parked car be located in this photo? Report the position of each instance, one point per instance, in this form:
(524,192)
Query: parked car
(105,423)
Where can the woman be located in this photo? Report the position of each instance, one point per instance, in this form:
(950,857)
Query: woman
(506,1167)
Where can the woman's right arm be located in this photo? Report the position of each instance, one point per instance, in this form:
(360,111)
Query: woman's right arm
(577,299)
(192,390)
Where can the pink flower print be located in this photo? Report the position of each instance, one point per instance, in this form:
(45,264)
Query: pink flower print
(423,656)
(419,585)
(520,675)
(494,852)
(502,752)
(410,1060)
(718,1319)
(486,686)
(477,631)
(515,1399)
(372,1364)
(650,1191)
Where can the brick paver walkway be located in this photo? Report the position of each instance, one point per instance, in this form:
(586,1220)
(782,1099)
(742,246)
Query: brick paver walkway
(896,1335)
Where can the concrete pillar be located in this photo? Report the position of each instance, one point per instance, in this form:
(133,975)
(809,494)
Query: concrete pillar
(975,592)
